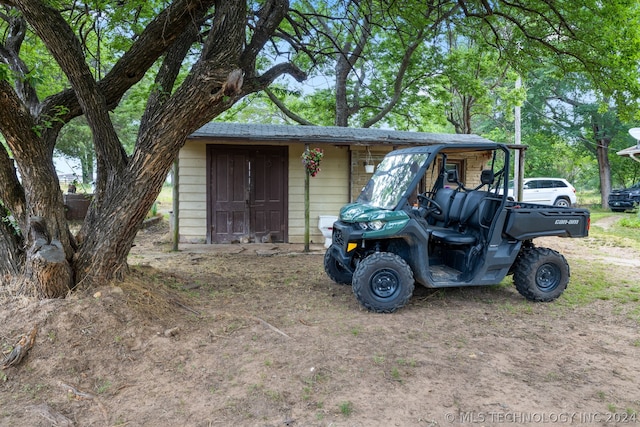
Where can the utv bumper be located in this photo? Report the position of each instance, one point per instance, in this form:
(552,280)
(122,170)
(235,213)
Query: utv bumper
(345,240)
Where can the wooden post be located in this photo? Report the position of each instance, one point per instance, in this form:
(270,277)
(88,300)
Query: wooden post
(176,205)
(306,204)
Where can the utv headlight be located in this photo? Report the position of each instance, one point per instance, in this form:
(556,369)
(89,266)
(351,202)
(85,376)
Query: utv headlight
(372,226)
(376,225)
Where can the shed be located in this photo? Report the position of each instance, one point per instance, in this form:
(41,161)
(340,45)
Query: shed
(245,182)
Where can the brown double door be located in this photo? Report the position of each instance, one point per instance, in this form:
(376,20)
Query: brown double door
(246,194)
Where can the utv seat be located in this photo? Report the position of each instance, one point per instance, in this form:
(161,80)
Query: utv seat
(462,230)
(466,215)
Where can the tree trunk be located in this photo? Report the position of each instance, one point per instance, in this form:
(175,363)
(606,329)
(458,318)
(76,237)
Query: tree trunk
(47,272)
(9,245)
(107,238)
(604,169)
(342,105)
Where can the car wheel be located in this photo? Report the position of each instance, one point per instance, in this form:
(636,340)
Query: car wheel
(541,274)
(335,270)
(562,202)
(383,282)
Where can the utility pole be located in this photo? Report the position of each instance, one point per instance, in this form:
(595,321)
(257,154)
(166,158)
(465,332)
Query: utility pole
(517,159)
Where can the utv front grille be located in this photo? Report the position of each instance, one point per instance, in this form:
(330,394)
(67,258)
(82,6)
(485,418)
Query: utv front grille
(337,237)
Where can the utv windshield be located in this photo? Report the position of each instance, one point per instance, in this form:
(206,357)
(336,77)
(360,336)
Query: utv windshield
(391,180)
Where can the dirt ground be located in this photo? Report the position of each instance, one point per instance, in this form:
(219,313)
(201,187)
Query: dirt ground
(257,335)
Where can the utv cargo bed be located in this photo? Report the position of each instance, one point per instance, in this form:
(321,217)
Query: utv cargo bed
(529,220)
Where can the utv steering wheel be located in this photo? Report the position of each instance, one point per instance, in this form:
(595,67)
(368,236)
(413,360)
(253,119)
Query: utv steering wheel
(429,204)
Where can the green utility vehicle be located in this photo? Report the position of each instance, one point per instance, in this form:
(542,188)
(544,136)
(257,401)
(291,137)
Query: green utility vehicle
(417,222)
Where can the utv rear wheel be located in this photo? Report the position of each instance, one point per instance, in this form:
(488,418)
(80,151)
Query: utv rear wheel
(335,270)
(541,274)
(383,282)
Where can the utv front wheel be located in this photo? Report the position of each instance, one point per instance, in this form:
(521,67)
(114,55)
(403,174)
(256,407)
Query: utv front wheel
(335,270)
(541,274)
(383,282)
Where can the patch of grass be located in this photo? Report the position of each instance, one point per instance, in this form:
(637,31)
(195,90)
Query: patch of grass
(273,395)
(311,383)
(630,222)
(306,393)
(33,390)
(404,362)
(259,389)
(378,359)
(120,422)
(102,385)
(588,198)
(621,232)
(346,408)
(395,374)
(590,282)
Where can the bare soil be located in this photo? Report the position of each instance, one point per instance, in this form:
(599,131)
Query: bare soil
(257,335)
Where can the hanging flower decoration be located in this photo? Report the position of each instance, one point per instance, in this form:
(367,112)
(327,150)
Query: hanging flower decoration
(311,160)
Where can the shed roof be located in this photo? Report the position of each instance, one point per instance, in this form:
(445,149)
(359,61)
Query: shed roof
(327,134)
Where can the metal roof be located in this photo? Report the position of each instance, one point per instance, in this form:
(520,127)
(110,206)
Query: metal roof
(327,134)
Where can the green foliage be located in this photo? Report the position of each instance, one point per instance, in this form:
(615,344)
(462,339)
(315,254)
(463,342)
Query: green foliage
(5,72)
(346,408)
(633,223)
(564,120)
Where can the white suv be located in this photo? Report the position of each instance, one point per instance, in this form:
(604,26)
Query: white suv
(547,191)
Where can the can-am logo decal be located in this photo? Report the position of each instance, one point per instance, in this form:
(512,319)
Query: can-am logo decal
(567,221)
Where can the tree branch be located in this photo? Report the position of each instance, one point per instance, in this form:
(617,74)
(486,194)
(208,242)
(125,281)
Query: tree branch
(61,41)
(293,116)
(269,18)
(168,73)
(134,63)
(10,54)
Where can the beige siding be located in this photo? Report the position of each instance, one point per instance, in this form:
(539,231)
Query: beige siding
(193,196)
(328,191)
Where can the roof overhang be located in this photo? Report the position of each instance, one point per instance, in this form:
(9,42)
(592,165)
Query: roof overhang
(633,152)
(325,134)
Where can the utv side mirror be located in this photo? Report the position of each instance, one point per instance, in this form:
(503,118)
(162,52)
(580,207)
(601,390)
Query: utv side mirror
(452,175)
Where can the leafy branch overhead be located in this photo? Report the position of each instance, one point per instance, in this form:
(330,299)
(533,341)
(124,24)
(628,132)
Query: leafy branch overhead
(386,62)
